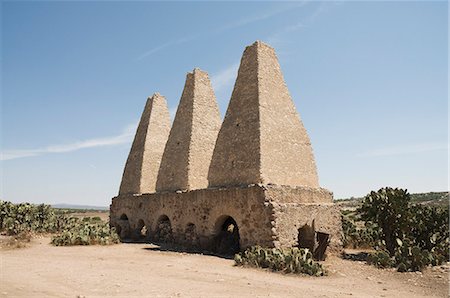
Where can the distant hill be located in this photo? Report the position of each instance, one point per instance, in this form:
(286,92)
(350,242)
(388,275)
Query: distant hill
(427,198)
(81,207)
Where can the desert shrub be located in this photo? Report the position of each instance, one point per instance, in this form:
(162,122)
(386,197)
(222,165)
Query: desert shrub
(430,228)
(388,210)
(380,259)
(410,257)
(365,236)
(86,232)
(290,260)
(25,218)
(410,237)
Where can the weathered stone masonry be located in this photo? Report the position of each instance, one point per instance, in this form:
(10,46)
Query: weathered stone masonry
(252,180)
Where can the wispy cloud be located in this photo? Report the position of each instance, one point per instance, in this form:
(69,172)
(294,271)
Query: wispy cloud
(122,138)
(405,149)
(225,77)
(259,17)
(277,38)
(165,45)
(232,25)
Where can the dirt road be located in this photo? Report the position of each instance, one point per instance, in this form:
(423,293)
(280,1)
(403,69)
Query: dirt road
(142,270)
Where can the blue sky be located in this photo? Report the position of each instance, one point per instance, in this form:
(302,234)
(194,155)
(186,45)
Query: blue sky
(369,80)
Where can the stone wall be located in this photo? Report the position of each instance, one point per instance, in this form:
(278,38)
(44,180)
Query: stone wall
(205,208)
(262,215)
(290,217)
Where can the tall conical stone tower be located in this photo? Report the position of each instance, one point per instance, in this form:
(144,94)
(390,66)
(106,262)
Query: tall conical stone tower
(262,139)
(143,162)
(188,152)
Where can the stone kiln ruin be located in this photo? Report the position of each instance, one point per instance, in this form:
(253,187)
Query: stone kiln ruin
(222,187)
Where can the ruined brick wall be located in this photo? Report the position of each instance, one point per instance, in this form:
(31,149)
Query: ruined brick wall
(205,208)
(290,217)
(262,214)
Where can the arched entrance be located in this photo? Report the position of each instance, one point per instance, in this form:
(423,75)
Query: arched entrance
(141,230)
(226,241)
(123,227)
(163,231)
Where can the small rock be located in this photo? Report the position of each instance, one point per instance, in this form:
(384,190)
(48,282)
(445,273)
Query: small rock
(379,282)
(384,289)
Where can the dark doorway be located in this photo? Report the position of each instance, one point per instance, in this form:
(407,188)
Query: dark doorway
(123,227)
(316,242)
(141,230)
(163,231)
(226,241)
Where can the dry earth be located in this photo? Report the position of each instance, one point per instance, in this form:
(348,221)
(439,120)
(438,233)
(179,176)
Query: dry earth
(143,270)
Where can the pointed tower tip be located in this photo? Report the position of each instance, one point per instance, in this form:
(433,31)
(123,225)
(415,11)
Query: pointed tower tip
(260,44)
(156,96)
(198,71)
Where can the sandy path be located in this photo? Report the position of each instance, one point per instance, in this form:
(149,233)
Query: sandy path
(139,270)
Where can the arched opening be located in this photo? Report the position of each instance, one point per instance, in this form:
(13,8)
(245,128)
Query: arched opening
(163,231)
(141,230)
(123,227)
(226,241)
(190,235)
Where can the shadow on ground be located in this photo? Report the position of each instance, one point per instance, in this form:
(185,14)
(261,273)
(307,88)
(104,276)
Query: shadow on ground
(355,256)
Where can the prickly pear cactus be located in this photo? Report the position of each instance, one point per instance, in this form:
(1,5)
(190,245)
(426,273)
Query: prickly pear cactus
(289,260)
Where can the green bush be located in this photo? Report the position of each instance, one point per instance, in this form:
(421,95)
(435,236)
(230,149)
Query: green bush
(354,236)
(388,210)
(410,237)
(25,217)
(290,260)
(86,232)
(16,219)
(380,259)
